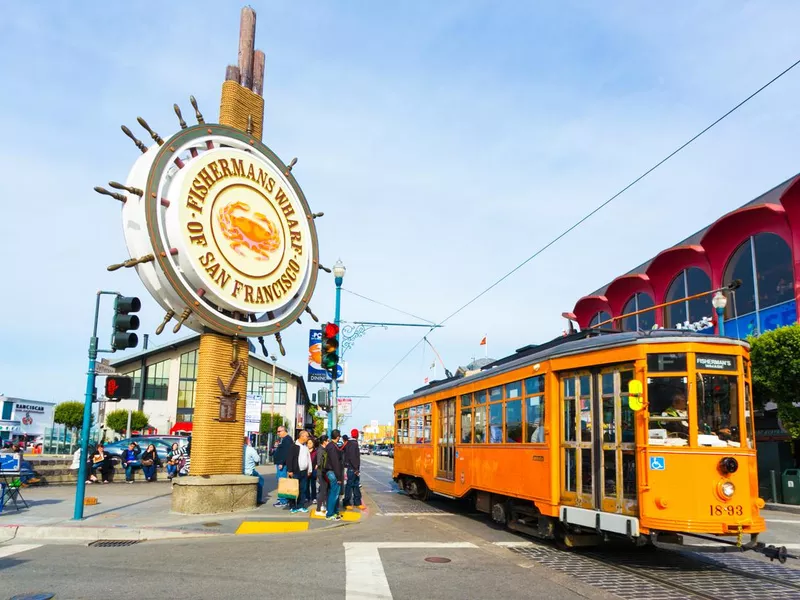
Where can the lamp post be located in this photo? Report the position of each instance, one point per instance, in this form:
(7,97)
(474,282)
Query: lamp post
(338,276)
(719,302)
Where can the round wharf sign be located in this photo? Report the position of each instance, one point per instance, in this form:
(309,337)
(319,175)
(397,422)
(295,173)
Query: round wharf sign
(233,240)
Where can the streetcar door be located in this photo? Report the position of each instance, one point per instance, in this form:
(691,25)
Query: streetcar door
(597,440)
(446,451)
(577,475)
(615,446)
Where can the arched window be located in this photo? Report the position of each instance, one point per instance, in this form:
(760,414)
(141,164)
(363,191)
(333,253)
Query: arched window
(599,318)
(763,263)
(639,301)
(689,282)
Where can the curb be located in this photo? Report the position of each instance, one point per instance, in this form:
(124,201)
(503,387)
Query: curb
(92,534)
(788,508)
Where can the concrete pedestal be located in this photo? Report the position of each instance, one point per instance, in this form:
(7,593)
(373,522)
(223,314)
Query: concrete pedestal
(214,494)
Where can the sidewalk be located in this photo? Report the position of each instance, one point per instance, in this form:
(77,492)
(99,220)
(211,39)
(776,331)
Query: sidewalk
(141,511)
(787,508)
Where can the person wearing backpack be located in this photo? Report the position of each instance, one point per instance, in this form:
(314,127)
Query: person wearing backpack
(322,463)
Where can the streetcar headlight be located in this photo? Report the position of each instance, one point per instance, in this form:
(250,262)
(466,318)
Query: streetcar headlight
(728,489)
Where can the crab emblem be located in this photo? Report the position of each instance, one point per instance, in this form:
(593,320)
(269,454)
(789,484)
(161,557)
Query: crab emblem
(259,235)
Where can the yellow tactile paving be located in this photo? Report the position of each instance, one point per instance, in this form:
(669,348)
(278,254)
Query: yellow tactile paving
(250,527)
(348,515)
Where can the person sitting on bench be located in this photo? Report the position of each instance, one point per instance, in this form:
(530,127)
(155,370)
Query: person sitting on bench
(130,460)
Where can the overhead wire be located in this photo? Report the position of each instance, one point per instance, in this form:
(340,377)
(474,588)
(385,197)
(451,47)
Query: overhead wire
(623,190)
(387,306)
(593,212)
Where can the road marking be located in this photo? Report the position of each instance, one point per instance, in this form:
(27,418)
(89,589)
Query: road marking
(514,544)
(795,521)
(416,514)
(379,465)
(378,481)
(16,549)
(251,527)
(365,578)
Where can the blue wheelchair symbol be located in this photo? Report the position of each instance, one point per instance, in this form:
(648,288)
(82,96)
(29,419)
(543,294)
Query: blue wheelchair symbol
(657,463)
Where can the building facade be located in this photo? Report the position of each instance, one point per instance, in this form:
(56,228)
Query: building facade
(21,419)
(758,244)
(164,381)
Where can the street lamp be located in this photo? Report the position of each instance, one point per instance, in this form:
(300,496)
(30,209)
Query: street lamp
(719,302)
(338,275)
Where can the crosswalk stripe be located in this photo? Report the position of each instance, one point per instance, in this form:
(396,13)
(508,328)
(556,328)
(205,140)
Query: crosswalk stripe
(16,549)
(365,577)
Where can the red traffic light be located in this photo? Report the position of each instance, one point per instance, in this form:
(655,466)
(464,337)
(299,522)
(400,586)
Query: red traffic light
(330,330)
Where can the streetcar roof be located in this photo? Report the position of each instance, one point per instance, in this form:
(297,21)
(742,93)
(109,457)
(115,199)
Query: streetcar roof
(584,341)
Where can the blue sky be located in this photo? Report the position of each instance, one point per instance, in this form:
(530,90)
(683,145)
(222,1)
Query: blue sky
(445,143)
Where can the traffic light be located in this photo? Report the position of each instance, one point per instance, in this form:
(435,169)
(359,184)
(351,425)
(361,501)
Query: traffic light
(322,399)
(330,347)
(119,388)
(123,323)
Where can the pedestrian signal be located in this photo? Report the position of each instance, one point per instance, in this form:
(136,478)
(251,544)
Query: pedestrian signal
(330,347)
(119,388)
(124,323)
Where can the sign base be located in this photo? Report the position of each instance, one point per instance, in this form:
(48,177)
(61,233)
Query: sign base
(214,494)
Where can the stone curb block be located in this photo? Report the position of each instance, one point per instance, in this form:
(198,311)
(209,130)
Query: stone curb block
(91,534)
(788,508)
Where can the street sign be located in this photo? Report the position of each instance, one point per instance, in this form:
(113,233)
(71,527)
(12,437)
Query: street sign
(101,368)
(252,413)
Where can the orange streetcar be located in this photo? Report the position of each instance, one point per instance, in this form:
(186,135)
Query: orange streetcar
(643,435)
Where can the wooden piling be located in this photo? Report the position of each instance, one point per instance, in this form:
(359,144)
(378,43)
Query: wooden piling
(247,37)
(258,72)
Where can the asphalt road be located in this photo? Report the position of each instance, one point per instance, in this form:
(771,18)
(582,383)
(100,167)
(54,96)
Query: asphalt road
(383,556)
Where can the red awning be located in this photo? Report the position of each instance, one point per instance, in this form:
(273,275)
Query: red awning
(182,426)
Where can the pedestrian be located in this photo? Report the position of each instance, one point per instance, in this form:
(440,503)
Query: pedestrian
(176,458)
(281,457)
(251,459)
(150,461)
(102,462)
(322,480)
(352,464)
(312,480)
(335,475)
(299,467)
(130,461)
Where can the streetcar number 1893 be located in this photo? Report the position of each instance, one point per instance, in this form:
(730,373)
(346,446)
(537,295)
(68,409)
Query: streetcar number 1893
(717,510)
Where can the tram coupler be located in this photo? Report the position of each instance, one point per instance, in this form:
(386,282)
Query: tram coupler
(775,552)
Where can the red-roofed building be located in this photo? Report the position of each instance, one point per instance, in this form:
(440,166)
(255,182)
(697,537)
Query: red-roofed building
(758,244)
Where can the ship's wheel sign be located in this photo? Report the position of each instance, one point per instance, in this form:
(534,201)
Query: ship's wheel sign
(27,419)
(228,240)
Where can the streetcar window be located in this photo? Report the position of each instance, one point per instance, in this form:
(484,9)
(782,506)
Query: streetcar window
(569,419)
(748,415)
(569,387)
(586,408)
(466,426)
(495,423)
(534,419)
(569,470)
(718,410)
(480,397)
(480,424)
(466,400)
(514,421)
(514,390)
(427,420)
(610,473)
(534,385)
(496,393)
(669,417)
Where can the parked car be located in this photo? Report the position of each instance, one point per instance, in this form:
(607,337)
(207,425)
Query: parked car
(364,449)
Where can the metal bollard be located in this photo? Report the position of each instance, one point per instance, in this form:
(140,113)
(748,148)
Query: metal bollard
(774,485)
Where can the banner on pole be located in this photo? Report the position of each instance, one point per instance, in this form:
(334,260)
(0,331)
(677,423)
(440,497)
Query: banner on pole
(345,406)
(252,413)
(316,374)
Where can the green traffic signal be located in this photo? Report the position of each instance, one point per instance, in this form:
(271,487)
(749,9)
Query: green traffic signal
(123,323)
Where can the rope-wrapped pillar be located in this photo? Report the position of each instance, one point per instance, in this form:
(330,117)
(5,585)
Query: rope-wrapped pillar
(217,445)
